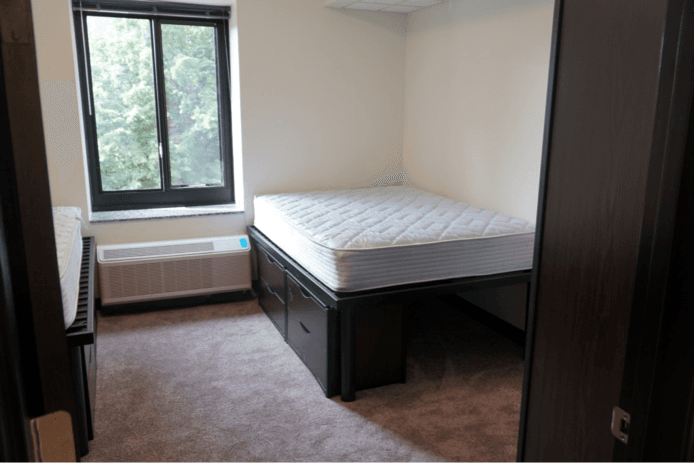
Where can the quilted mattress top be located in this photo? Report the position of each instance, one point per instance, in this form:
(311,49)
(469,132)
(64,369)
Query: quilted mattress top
(66,223)
(370,218)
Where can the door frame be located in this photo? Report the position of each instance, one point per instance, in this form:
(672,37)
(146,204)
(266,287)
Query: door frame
(540,218)
(658,340)
(670,178)
(15,438)
(36,326)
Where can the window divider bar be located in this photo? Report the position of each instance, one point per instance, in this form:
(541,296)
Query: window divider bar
(224,101)
(161,101)
(84,51)
(228,57)
(88,96)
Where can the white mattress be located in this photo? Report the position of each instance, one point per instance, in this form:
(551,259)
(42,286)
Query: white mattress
(369,238)
(66,224)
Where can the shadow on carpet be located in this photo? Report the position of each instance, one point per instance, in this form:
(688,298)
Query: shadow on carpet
(462,395)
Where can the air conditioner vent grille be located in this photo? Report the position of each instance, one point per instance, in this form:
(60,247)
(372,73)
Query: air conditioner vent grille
(171,269)
(158,251)
(127,282)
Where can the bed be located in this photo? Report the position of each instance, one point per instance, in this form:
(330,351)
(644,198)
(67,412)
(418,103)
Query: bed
(76,264)
(66,225)
(335,267)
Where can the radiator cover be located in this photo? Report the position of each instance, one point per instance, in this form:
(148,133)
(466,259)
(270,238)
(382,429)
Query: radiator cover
(168,269)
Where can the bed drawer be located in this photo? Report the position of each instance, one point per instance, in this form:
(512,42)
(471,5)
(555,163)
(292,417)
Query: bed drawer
(270,271)
(310,349)
(312,333)
(272,305)
(308,311)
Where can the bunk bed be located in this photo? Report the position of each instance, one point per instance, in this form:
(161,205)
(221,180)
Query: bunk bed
(76,265)
(335,269)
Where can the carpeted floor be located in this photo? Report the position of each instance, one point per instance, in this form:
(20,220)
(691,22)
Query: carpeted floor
(218,383)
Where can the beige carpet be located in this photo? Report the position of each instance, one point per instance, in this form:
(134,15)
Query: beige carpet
(218,383)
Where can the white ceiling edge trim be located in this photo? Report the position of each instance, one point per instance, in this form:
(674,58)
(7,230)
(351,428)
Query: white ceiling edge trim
(392,6)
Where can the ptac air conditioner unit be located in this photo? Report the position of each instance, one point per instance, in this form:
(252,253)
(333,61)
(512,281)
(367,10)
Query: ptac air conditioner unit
(166,269)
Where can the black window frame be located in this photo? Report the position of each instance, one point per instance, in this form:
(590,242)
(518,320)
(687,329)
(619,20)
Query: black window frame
(158,14)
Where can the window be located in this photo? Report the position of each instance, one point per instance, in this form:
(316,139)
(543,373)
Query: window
(156,103)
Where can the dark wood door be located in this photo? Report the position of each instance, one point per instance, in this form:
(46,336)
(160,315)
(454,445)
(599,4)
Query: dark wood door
(612,107)
(32,314)
(658,382)
(14,418)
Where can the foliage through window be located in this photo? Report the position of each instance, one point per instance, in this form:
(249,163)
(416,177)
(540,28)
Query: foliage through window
(155,88)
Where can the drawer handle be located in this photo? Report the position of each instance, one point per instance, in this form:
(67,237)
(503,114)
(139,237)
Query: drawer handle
(272,260)
(305,293)
(308,295)
(304,328)
(271,291)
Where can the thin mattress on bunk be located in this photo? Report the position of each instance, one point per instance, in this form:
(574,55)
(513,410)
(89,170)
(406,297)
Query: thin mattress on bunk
(66,224)
(368,238)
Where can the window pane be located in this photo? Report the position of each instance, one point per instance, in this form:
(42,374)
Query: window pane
(190,74)
(120,52)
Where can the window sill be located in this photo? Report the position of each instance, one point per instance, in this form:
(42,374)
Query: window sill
(164,213)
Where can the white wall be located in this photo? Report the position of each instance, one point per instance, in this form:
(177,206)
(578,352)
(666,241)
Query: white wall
(321,106)
(336,98)
(476,79)
(322,94)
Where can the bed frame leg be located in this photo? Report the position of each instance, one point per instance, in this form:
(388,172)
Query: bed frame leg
(372,345)
(347,353)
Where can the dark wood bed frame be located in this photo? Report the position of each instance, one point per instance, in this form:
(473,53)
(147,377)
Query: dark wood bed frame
(81,337)
(365,318)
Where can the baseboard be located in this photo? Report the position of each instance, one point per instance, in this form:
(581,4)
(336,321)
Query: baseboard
(496,324)
(175,303)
